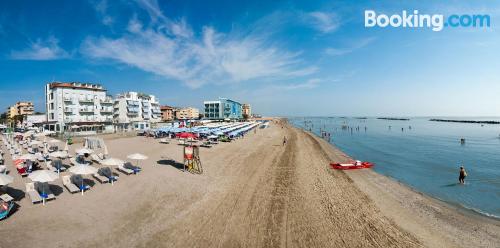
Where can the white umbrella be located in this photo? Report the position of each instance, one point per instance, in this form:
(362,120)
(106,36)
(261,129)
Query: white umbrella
(137,157)
(5,179)
(106,153)
(59,154)
(43,176)
(53,141)
(83,170)
(35,143)
(84,151)
(27,156)
(112,162)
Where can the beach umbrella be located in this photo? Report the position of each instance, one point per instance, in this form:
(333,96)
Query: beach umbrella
(83,170)
(35,143)
(43,176)
(112,162)
(186,135)
(59,154)
(106,153)
(82,151)
(137,157)
(5,179)
(27,156)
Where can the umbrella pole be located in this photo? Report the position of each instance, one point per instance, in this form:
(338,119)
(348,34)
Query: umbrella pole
(82,186)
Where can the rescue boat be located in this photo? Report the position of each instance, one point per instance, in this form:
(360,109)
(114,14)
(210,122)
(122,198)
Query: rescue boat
(352,165)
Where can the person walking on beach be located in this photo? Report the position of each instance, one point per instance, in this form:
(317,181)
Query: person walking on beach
(284,140)
(462,175)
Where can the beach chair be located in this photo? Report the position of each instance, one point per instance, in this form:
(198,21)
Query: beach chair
(107,173)
(74,162)
(206,144)
(95,158)
(44,191)
(130,166)
(77,180)
(125,170)
(164,141)
(68,185)
(100,178)
(5,209)
(34,196)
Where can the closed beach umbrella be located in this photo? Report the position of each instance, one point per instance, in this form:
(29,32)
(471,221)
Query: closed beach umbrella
(43,176)
(66,148)
(83,170)
(5,179)
(106,153)
(84,151)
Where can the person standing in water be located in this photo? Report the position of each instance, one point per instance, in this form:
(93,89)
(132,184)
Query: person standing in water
(462,175)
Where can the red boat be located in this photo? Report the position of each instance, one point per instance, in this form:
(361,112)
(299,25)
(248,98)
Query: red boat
(351,165)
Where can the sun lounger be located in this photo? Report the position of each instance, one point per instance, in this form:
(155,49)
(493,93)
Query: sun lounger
(77,180)
(206,145)
(34,196)
(107,173)
(130,166)
(5,209)
(69,185)
(74,162)
(164,141)
(95,158)
(125,170)
(100,178)
(44,191)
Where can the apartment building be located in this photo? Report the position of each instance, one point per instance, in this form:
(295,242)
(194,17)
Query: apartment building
(188,113)
(167,113)
(136,111)
(247,110)
(80,108)
(223,108)
(20,108)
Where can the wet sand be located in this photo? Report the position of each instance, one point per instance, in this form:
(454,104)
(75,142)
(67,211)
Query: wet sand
(255,192)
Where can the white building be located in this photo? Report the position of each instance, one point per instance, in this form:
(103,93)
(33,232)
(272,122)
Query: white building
(136,111)
(81,108)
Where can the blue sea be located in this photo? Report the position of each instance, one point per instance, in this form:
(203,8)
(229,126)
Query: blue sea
(425,155)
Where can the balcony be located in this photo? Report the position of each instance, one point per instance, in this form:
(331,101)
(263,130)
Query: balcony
(87,110)
(107,101)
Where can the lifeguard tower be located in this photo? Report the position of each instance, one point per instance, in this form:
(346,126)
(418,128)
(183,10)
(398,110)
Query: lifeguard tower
(192,162)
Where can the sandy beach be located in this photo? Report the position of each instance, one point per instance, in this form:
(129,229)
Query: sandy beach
(255,192)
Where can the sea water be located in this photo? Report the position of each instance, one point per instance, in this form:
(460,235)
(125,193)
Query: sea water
(423,154)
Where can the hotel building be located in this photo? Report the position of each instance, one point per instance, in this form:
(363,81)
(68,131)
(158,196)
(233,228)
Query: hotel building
(167,113)
(136,111)
(247,110)
(188,113)
(81,108)
(223,108)
(20,108)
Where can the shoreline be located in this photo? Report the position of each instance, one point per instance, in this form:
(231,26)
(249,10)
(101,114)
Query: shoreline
(421,214)
(452,205)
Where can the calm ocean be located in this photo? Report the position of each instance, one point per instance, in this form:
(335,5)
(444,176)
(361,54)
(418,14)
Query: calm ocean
(426,157)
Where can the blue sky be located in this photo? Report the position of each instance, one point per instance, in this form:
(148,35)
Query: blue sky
(282,57)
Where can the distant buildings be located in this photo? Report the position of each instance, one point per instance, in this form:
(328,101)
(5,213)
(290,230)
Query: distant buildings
(20,108)
(188,113)
(167,113)
(136,111)
(78,107)
(223,108)
(247,110)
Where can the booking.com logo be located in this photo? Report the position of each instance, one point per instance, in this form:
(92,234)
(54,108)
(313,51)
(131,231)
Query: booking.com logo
(415,20)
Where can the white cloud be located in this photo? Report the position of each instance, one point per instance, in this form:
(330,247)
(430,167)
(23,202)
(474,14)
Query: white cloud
(309,84)
(41,50)
(170,49)
(349,49)
(323,21)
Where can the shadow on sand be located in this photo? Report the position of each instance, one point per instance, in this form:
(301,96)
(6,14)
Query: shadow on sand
(171,162)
